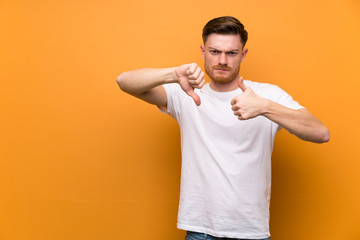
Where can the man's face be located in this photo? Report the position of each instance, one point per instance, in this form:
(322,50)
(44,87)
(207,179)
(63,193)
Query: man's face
(223,55)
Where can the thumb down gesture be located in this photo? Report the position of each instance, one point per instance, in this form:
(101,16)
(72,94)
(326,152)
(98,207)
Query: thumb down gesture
(190,76)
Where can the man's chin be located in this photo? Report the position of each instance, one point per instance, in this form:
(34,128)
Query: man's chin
(222,80)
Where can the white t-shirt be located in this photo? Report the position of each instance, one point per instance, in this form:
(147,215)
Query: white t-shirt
(226,162)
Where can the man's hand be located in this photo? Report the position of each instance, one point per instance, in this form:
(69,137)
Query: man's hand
(190,76)
(248,104)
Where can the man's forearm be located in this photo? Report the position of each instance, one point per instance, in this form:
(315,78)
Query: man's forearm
(142,80)
(298,122)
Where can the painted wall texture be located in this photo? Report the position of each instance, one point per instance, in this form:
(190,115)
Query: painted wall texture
(79,159)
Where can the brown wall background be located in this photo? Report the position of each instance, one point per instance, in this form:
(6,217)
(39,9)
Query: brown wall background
(79,159)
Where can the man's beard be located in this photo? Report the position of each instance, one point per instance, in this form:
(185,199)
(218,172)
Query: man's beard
(222,77)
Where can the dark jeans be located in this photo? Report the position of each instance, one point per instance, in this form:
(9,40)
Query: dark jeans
(202,236)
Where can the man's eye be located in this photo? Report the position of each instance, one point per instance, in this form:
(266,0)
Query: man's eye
(214,51)
(232,53)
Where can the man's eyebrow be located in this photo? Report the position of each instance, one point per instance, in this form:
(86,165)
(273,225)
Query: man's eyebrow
(232,50)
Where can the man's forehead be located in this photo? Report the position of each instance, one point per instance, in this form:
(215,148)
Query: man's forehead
(224,42)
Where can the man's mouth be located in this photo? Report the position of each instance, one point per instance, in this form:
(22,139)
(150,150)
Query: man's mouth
(222,69)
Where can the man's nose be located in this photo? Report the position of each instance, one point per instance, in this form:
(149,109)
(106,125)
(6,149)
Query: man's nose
(223,59)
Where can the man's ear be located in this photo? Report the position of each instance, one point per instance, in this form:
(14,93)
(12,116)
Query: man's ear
(202,48)
(243,54)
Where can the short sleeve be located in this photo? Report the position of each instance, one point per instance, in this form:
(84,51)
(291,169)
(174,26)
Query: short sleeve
(274,93)
(286,100)
(174,96)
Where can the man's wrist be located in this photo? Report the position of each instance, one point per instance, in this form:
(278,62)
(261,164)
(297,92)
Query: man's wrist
(171,76)
(266,106)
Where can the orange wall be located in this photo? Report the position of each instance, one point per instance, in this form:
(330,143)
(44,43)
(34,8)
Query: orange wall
(79,159)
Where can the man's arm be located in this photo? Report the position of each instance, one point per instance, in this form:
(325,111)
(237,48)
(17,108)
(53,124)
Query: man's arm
(298,122)
(146,83)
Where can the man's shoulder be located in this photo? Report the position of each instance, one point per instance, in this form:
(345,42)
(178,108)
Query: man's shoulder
(265,88)
(272,92)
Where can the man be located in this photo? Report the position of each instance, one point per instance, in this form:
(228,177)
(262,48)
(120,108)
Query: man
(227,134)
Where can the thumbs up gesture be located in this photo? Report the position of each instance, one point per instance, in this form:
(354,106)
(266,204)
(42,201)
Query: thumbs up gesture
(248,104)
(190,76)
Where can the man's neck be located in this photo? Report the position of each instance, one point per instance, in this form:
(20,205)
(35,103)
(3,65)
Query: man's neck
(225,87)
